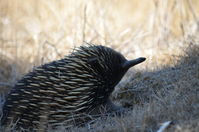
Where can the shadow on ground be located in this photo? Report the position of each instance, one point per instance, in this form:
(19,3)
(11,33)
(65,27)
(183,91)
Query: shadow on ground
(170,94)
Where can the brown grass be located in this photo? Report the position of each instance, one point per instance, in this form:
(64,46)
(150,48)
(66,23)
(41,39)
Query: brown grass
(164,88)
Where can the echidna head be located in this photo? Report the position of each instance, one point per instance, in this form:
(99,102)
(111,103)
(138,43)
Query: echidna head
(107,64)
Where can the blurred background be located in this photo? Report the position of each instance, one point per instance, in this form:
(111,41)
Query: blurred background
(34,32)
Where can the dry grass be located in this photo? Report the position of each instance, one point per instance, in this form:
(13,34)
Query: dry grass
(163,88)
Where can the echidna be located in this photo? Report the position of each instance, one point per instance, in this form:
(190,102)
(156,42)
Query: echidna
(64,90)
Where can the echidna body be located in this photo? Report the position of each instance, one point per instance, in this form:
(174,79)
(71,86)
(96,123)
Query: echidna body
(64,90)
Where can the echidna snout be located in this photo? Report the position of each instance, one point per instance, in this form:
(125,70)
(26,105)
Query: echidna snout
(63,91)
(128,64)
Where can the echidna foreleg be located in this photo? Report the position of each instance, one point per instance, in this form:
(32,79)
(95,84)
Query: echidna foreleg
(111,108)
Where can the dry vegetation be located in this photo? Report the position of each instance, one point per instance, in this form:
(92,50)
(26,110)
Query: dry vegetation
(166,32)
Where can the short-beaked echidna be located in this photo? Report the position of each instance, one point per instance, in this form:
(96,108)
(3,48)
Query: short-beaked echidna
(63,90)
